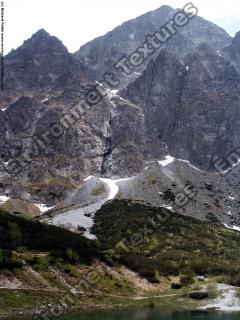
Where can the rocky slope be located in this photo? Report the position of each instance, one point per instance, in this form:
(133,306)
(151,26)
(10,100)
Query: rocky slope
(183,101)
(171,183)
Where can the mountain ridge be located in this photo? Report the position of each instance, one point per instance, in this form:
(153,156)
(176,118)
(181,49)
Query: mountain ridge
(182,102)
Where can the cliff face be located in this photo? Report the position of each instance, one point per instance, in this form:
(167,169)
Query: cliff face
(103,53)
(184,100)
(190,104)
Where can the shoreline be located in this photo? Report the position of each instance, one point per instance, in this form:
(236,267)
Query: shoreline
(167,303)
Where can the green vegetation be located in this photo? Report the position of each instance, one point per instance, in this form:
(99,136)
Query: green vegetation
(143,240)
(21,208)
(198,295)
(166,248)
(176,286)
(61,243)
(52,182)
(186,280)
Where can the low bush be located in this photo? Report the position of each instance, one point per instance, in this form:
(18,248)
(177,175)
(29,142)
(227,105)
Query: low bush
(198,295)
(186,280)
(18,232)
(176,286)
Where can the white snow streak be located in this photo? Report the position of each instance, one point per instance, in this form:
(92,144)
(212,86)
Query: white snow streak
(186,161)
(83,216)
(168,159)
(3,199)
(113,188)
(44,100)
(43,207)
(232,227)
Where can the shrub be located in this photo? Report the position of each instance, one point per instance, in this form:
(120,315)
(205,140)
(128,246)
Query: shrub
(234,280)
(149,274)
(186,280)
(33,235)
(38,263)
(198,295)
(176,285)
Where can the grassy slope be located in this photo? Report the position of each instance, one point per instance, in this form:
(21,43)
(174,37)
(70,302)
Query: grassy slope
(179,245)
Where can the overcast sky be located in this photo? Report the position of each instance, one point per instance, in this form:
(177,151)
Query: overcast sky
(76,22)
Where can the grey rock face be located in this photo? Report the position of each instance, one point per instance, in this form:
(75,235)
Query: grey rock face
(233,51)
(103,53)
(191,104)
(42,138)
(183,101)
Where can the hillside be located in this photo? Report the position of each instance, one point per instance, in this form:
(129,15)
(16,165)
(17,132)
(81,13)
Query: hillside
(140,252)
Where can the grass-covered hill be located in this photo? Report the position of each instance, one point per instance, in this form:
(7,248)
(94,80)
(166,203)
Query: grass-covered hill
(155,242)
(39,263)
(16,232)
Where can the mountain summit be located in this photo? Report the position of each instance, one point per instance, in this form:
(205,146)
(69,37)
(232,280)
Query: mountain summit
(182,102)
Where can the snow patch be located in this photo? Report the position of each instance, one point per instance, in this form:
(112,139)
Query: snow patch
(232,227)
(168,159)
(44,100)
(167,207)
(124,99)
(186,161)
(236,228)
(113,188)
(132,36)
(112,93)
(231,198)
(88,178)
(43,207)
(75,218)
(3,199)
(83,216)
(219,53)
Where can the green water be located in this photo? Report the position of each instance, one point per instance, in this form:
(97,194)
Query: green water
(153,315)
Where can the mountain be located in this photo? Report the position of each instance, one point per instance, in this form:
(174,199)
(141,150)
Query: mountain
(50,138)
(40,65)
(127,37)
(183,101)
(146,166)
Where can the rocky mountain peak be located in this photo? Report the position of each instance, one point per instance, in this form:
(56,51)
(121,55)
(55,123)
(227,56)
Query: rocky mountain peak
(38,62)
(43,42)
(42,33)
(164,9)
(236,40)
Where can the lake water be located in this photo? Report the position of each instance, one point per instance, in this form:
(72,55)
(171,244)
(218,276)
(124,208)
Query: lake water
(154,314)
